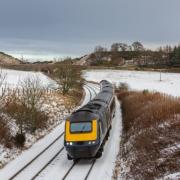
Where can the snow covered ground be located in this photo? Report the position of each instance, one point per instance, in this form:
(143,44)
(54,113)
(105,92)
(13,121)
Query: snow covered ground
(173,176)
(29,154)
(169,84)
(53,106)
(14,78)
(103,167)
(139,80)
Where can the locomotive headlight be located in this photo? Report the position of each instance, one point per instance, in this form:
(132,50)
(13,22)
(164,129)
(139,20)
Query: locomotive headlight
(69,143)
(91,142)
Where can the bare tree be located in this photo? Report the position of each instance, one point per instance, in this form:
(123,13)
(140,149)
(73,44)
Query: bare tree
(115,47)
(123,46)
(32,93)
(137,46)
(68,77)
(24,107)
(99,53)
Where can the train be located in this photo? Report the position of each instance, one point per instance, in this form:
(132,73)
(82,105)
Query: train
(88,128)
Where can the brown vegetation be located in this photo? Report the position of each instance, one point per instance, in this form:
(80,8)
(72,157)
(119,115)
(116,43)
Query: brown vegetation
(23,105)
(5,135)
(68,77)
(151,126)
(24,108)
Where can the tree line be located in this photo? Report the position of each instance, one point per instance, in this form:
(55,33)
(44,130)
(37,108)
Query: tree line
(163,55)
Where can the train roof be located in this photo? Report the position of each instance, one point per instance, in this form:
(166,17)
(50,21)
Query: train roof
(83,115)
(97,105)
(104,96)
(93,109)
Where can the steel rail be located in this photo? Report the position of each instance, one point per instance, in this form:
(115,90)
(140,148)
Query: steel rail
(36,157)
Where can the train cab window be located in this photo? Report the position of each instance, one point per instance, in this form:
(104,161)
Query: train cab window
(81,127)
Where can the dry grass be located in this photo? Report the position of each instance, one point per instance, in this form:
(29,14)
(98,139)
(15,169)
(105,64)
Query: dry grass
(22,113)
(151,123)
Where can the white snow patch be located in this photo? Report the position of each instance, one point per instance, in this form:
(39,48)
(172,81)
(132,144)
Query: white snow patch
(14,78)
(171,149)
(173,176)
(139,80)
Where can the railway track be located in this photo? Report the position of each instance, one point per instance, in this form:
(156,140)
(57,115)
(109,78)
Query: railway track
(36,157)
(73,165)
(31,162)
(68,171)
(96,86)
(90,88)
(90,169)
(37,174)
(90,94)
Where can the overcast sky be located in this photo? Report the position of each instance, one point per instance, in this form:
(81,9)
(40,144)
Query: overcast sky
(75,27)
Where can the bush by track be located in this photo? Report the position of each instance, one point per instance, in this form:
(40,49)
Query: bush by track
(150,146)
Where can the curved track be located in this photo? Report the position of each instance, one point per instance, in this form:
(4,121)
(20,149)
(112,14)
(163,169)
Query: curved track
(91,92)
(28,171)
(91,89)
(49,160)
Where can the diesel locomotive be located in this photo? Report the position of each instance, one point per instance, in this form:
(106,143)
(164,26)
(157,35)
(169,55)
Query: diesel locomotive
(87,129)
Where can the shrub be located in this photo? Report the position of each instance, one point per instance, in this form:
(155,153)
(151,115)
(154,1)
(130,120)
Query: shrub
(36,120)
(69,78)
(27,118)
(123,86)
(151,123)
(20,139)
(145,91)
(5,135)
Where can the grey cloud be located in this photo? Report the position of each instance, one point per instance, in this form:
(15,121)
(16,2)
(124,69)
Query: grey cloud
(89,22)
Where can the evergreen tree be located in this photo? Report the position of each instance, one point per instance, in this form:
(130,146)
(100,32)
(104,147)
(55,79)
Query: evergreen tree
(177,54)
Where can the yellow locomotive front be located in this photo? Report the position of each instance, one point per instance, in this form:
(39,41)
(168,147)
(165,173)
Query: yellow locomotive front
(81,138)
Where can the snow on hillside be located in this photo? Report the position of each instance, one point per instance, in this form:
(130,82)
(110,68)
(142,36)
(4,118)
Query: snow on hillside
(103,168)
(14,78)
(53,106)
(139,80)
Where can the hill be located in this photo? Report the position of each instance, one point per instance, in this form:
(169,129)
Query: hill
(124,58)
(6,59)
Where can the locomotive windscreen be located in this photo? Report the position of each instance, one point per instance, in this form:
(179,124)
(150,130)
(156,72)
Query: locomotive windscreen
(80,127)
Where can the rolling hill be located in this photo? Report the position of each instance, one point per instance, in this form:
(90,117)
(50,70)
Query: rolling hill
(6,59)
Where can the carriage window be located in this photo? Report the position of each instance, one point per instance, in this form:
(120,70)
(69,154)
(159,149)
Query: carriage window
(80,127)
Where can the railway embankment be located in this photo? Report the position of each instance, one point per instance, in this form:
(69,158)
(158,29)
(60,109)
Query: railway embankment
(150,145)
(30,109)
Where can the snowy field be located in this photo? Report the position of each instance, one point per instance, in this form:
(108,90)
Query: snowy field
(14,78)
(139,80)
(53,106)
(103,167)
